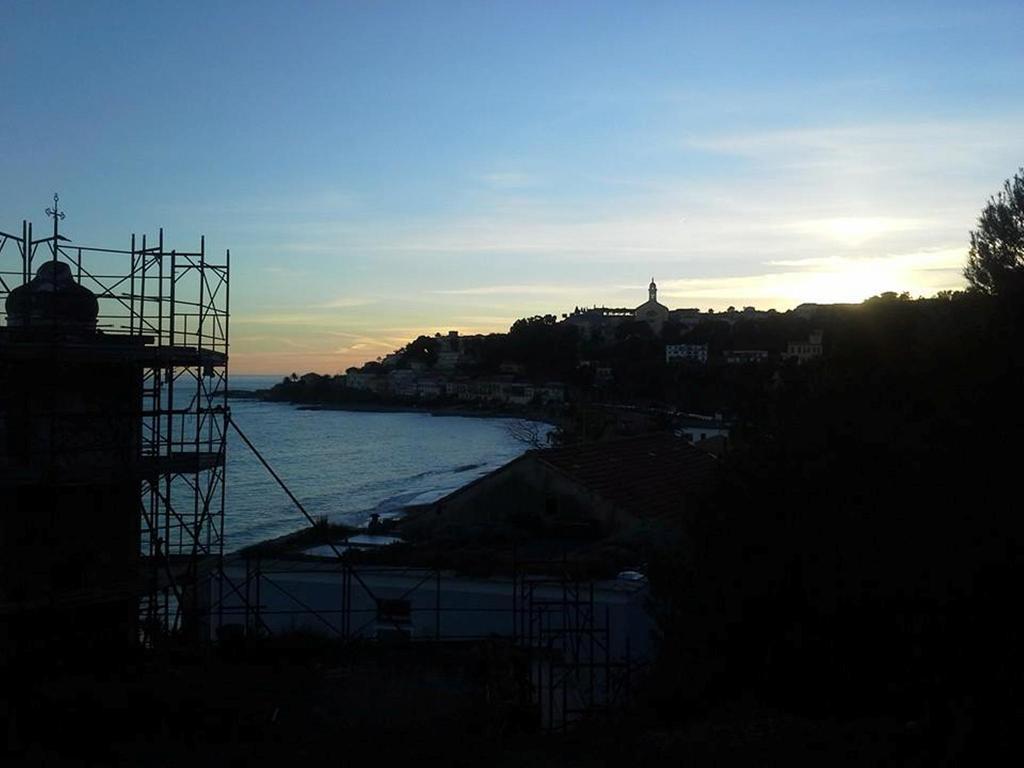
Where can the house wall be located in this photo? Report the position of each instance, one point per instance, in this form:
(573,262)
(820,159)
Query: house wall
(693,352)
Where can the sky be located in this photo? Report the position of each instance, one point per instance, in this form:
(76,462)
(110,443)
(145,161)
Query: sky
(385,169)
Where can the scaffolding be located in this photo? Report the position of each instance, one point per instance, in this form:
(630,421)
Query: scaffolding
(163,314)
(573,672)
(570,661)
(564,662)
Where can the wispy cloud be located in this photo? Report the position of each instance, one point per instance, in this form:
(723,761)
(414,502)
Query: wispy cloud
(883,185)
(504,290)
(476,323)
(858,230)
(347,302)
(247,341)
(877,148)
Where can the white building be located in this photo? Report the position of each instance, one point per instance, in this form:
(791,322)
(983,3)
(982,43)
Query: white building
(695,428)
(370,382)
(402,382)
(741,356)
(806,350)
(476,390)
(689,353)
(430,388)
(551,392)
(504,391)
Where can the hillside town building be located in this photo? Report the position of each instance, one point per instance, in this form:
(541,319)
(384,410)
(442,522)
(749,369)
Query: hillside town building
(652,312)
(686,353)
(806,350)
(698,429)
(597,322)
(742,356)
(593,322)
(414,383)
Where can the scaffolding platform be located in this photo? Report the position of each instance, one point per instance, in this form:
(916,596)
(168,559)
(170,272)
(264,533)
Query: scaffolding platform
(130,415)
(111,349)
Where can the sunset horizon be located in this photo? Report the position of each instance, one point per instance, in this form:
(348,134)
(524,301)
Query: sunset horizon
(385,172)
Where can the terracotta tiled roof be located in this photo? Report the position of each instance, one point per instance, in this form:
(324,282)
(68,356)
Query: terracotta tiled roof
(647,476)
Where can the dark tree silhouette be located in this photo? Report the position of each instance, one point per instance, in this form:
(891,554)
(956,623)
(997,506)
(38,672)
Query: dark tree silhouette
(546,348)
(529,433)
(996,259)
(424,349)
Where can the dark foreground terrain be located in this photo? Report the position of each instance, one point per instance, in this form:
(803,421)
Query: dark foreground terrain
(302,701)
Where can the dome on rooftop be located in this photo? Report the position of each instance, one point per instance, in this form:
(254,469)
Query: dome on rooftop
(52,298)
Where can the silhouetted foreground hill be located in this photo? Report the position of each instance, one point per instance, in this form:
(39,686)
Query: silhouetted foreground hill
(865,552)
(848,596)
(302,700)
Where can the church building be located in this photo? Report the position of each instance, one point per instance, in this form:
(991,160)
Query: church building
(598,322)
(651,311)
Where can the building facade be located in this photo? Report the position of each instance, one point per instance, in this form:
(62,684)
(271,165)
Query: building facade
(652,312)
(686,353)
(806,350)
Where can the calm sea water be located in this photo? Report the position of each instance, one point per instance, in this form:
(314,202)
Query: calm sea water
(347,465)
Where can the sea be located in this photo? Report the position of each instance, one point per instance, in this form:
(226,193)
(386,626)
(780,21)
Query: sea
(347,465)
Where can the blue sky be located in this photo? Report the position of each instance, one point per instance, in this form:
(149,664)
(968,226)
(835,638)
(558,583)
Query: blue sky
(385,169)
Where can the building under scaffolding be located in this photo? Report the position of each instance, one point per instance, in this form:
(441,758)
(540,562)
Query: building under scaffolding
(579,643)
(113,425)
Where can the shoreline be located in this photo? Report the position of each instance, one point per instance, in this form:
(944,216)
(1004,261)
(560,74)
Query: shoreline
(472,413)
(294,538)
(432,410)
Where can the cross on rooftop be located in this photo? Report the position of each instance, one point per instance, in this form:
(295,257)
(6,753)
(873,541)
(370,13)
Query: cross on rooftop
(57,216)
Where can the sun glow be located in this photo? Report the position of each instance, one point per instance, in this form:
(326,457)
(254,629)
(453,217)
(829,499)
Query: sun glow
(823,281)
(853,231)
(850,283)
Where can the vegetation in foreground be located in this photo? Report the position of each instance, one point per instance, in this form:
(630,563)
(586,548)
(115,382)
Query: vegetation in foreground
(300,699)
(865,552)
